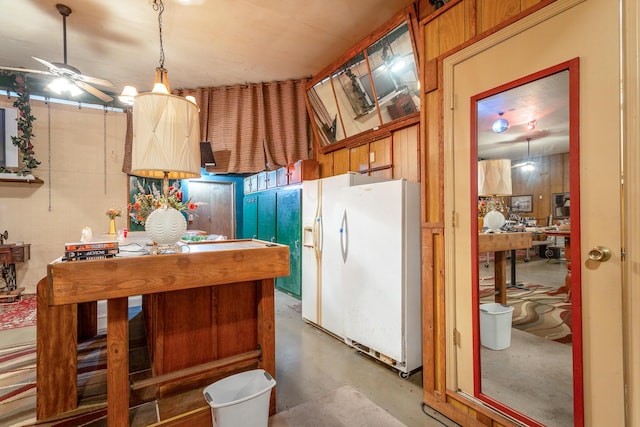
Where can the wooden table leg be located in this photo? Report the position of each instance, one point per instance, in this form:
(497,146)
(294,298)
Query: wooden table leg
(567,279)
(56,356)
(266,332)
(118,362)
(87,320)
(500,273)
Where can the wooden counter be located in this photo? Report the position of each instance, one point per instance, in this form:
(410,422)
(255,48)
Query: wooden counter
(210,312)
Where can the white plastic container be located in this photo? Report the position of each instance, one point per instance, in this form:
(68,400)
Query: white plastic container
(495,325)
(241,399)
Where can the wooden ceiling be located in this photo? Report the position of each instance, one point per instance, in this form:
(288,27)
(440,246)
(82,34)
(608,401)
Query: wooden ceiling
(206,42)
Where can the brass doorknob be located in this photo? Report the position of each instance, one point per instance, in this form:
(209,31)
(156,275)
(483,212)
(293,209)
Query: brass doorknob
(600,253)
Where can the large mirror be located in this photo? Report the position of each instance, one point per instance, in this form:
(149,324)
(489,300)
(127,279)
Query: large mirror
(376,86)
(525,316)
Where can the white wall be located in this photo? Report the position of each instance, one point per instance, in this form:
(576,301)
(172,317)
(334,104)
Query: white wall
(81,152)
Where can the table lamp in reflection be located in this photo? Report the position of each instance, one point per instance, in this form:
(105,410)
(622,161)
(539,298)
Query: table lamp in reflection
(494,182)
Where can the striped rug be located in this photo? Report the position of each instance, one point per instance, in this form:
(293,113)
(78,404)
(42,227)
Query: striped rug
(18,382)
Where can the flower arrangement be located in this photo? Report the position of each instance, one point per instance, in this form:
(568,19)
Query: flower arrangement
(112,213)
(146,202)
(482,207)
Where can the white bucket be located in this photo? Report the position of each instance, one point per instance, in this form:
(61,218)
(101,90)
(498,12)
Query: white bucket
(241,399)
(495,325)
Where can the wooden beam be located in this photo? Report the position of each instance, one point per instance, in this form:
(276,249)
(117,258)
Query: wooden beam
(210,367)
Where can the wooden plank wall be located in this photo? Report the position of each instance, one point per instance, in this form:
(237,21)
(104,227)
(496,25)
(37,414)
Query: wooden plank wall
(392,156)
(453,27)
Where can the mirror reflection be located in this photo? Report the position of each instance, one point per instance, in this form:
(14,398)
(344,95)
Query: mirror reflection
(325,112)
(356,106)
(524,304)
(374,87)
(394,75)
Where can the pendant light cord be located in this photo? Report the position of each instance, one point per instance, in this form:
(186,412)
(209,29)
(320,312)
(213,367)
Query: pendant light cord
(158,6)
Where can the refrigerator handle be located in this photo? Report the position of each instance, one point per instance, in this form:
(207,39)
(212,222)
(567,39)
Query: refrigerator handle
(344,237)
(317,234)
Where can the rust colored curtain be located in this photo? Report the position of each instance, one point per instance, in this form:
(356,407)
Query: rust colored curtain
(257,126)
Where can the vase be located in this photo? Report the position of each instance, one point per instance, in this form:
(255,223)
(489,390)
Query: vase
(165,226)
(112,226)
(480,224)
(493,220)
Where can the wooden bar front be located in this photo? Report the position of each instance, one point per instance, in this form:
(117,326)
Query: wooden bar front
(210,304)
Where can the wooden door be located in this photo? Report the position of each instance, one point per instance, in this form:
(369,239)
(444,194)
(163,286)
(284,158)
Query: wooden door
(216,212)
(595,176)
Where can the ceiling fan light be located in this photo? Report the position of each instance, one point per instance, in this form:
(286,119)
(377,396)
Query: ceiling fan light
(58,85)
(74,90)
(128,95)
(529,167)
(160,88)
(63,85)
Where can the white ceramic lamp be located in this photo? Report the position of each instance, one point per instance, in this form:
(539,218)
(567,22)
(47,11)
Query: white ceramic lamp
(494,180)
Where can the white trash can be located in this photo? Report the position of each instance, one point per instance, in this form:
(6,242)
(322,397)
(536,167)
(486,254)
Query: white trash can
(495,325)
(241,399)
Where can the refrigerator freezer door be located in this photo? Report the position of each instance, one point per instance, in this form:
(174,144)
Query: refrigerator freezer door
(311,260)
(322,286)
(373,271)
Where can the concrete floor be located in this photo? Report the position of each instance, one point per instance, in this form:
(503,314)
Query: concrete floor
(310,363)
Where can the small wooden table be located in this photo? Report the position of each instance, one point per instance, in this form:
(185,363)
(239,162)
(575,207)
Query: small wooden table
(9,256)
(500,243)
(238,275)
(567,255)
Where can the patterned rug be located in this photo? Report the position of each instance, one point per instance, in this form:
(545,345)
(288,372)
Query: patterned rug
(535,311)
(18,314)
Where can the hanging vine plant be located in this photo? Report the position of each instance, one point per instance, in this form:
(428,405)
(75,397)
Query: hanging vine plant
(16,82)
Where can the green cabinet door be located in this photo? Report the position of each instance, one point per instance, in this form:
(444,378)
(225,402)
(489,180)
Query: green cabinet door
(267,216)
(250,217)
(289,232)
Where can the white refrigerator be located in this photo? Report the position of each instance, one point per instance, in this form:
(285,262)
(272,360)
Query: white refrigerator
(380,251)
(322,286)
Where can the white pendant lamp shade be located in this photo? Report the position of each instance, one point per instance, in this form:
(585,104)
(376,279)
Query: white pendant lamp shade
(494,177)
(166,137)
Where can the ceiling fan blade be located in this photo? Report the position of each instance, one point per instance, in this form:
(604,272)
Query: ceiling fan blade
(521,164)
(93,91)
(25,70)
(47,64)
(95,81)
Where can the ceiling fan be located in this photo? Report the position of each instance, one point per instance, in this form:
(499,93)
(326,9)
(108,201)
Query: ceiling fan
(68,78)
(528,165)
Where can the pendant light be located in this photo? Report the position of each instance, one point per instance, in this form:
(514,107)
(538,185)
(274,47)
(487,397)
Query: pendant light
(166,145)
(500,125)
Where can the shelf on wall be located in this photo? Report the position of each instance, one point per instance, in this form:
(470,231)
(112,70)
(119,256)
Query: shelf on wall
(26,179)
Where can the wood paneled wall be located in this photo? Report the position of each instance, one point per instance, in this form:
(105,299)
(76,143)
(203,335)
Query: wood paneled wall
(449,29)
(393,156)
(551,175)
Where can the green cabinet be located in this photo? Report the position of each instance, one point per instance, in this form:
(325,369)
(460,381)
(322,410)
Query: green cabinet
(275,216)
(267,216)
(289,230)
(250,216)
